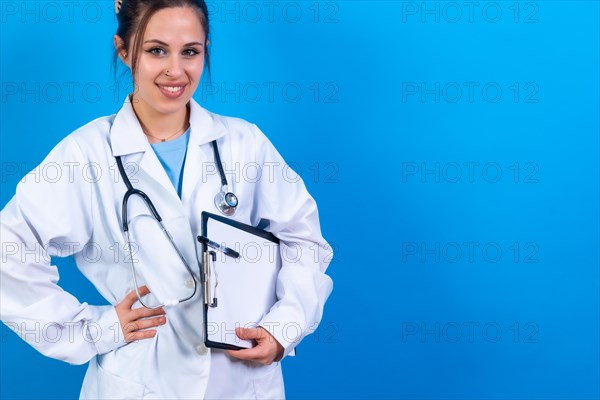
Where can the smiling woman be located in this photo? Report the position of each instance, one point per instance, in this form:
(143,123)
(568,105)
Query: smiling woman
(166,63)
(164,137)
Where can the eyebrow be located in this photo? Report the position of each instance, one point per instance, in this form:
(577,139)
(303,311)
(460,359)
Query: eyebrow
(166,45)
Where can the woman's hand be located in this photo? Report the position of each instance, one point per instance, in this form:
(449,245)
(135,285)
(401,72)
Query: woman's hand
(132,320)
(266,350)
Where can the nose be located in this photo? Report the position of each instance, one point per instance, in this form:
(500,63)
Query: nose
(174,67)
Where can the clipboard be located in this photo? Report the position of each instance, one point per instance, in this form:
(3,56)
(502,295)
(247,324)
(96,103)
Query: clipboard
(239,276)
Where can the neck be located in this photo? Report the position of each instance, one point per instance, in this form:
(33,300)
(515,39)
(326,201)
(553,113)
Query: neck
(158,126)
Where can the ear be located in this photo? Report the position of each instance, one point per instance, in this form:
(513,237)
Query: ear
(121,50)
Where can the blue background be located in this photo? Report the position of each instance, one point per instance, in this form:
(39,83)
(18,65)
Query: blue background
(386,155)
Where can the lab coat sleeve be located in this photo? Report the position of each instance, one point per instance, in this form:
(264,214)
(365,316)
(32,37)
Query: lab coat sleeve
(50,216)
(302,286)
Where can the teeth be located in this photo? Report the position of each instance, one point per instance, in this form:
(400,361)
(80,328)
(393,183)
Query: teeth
(172,89)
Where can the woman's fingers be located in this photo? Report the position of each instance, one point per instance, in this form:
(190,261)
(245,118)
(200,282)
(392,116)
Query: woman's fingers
(134,321)
(256,353)
(143,312)
(132,297)
(249,333)
(145,324)
(266,350)
(135,330)
(139,335)
(151,322)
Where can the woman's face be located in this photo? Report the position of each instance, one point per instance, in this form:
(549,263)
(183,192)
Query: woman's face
(174,41)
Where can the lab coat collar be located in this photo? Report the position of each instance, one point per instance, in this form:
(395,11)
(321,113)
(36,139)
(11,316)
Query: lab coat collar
(127,137)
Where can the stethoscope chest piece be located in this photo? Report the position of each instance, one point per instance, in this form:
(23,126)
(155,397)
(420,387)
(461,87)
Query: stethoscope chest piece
(226,202)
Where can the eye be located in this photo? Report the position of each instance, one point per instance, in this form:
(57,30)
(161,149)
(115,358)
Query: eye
(157,51)
(190,52)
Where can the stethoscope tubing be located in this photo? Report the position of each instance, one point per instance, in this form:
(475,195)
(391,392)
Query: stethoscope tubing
(131,191)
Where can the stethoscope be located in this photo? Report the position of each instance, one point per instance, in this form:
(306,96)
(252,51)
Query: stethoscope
(225,201)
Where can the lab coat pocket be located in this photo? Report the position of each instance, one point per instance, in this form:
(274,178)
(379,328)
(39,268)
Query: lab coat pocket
(268,381)
(111,386)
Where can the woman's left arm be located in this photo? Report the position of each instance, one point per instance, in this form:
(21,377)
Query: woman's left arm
(302,285)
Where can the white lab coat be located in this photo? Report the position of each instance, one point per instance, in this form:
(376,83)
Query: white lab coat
(71,204)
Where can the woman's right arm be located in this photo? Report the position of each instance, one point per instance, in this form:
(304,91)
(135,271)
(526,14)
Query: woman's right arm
(50,216)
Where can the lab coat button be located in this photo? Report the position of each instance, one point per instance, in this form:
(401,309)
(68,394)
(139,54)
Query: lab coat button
(189,282)
(201,349)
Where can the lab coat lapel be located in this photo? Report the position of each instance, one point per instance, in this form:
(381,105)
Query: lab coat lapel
(127,138)
(205,127)
(150,165)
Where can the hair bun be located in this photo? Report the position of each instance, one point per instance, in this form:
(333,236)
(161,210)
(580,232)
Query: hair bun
(118,4)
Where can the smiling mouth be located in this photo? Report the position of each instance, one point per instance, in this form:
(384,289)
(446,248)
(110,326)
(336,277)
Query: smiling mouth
(171,89)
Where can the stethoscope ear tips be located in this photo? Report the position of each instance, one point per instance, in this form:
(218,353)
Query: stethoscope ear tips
(226,202)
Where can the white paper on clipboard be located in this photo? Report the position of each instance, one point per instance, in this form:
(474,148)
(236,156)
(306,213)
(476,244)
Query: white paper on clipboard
(244,287)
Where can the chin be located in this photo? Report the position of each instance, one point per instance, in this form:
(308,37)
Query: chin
(172,107)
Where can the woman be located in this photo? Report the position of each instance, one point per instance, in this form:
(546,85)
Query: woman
(163,138)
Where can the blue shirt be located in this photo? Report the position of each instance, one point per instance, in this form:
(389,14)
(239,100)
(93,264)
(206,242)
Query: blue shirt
(171,155)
